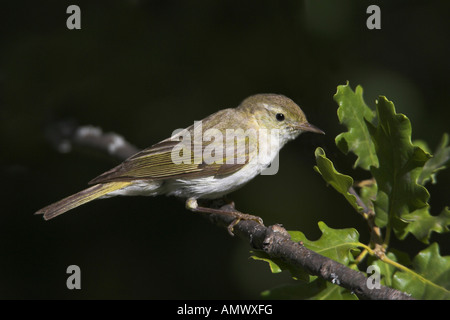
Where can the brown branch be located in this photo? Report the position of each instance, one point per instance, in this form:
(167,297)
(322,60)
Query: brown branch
(273,240)
(65,135)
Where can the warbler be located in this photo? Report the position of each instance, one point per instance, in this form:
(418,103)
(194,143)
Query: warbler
(207,166)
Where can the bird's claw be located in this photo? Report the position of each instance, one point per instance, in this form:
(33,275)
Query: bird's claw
(242,216)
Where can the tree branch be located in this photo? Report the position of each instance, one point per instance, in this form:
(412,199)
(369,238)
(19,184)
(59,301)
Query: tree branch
(273,240)
(66,134)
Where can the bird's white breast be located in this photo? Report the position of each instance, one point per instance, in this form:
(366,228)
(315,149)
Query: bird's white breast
(215,187)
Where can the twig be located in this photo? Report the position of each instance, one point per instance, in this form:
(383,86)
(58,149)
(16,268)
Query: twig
(273,240)
(369,215)
(66,134)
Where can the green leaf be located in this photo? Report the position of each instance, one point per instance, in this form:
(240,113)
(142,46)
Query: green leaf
(387,270)
(336,244)
(318,289)
(278,265)
(368,193)
(440,160)
(421,223)
(432,280)
(354,113)
(400,164)
(422,145)
(275,267)
(338,181)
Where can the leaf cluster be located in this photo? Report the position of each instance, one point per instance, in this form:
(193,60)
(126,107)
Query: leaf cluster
(393,200)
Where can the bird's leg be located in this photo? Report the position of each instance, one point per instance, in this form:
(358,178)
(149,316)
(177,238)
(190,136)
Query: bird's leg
(192,205)
(223,202)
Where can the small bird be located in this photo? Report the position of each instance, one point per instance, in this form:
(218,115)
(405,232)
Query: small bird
(207,166)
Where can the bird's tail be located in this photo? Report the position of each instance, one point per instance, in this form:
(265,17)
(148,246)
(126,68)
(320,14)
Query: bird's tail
(80,198)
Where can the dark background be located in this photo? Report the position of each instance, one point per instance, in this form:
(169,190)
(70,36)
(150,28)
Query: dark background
(145,68)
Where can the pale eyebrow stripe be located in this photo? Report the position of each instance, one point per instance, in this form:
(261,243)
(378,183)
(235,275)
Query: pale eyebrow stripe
(269,107)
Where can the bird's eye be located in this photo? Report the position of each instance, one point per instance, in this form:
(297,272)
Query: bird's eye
(279,116)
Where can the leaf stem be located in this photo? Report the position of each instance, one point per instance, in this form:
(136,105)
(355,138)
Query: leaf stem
(383,257)
(366,248)
(369,215)
(414,274)
(361,256)
(388,236)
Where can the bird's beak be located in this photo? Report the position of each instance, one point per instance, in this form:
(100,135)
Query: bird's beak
(308,127)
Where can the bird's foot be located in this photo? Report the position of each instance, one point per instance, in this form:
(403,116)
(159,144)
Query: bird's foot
(192,205)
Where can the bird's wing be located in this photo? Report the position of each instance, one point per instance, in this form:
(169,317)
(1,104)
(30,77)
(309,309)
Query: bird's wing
(157,163)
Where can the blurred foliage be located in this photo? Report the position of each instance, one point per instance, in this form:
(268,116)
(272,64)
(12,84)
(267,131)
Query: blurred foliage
(145,68)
